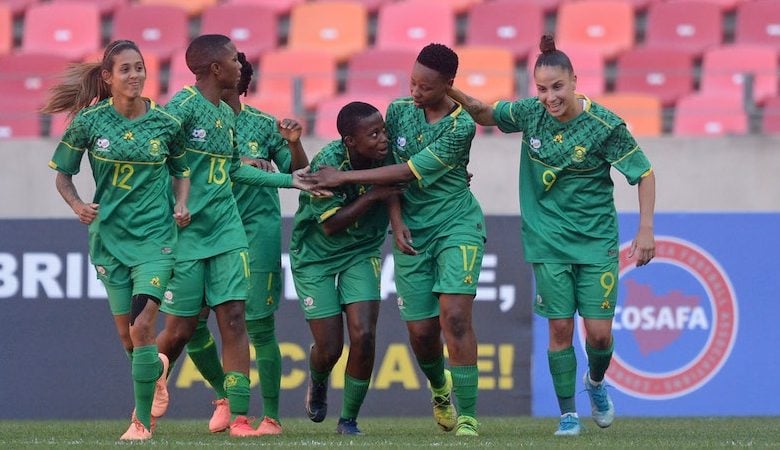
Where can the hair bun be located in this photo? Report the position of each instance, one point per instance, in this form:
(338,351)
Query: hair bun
(547,44)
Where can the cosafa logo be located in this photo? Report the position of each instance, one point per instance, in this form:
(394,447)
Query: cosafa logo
(675,322)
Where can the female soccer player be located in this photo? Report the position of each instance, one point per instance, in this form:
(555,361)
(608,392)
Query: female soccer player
(261,139)
(132,234)
(569,220)
(335,258)
(439,232)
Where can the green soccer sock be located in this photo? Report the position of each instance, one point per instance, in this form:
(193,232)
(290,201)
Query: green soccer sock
(598,360)
(434,372)
(146,369)
(269,362)
(203,351)
(237,388)
(464,386)
(354,393)
(563,368)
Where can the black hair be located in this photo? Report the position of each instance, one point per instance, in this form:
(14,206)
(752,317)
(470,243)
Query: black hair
(440,58)
(246,74)
(350,115)
(204,50)
(551,56)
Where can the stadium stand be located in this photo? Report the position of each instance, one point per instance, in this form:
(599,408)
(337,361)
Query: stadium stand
(515,26)
(106,7)
(372,6)
(18,7)
(487,73)
(336,27)
(665,73)
(68,29)
(770,122)
(193,7)
(280,7)
(641,112)
(328,110)
(158,29)
(724,70)
(690,25)
(758,22)
(709,115)
(725,5)
(6,29)
(178,75)
(380,72)
(253,28)
(412,24)
(459,6)
(604,25)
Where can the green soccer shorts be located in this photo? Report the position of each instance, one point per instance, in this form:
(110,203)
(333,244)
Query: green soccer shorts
(563,289)
(322,296)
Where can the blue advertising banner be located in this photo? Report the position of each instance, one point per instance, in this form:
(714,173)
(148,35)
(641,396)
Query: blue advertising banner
(695,330)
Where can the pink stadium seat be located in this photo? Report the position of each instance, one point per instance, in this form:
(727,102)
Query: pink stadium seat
(758,22)
(159,29)
(193,7)
(770,122)
(459,6)
(724,69)
(68,29)
(106,7)
(513,25)
(19,118)
(605,25)
(665,73)
(279,70)
(709,115)
(589,67)
(252,28)
(29,76)
(280,7)
(328,110)
(486,73)
(412,24)
(725,5)
(6,29)
(690,25)
(371,6)
(380,72)
(18,7)
(641,112)
(178,75)
(336,27)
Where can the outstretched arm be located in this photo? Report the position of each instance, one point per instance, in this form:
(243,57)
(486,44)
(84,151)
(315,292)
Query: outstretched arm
(328,177)
(348,214)
(644,242)
(482,113)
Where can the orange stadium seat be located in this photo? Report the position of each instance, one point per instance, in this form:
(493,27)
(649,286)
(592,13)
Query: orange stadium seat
(690,25)
(709,115)
(252,28)
(68,29)
(193,7)
(486,73)
(106,7)
(605,25)
(724,69)
(758,22)
(513,25)
(380,72)
(279,7)
(641,112)
(337,27)
(6,29)
(159,29)
(371,6)
(328,111)
(770,122)
(589,66)
(413,24)
(666,73)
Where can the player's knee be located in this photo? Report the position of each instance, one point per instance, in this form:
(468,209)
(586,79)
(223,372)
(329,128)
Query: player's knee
(137,305)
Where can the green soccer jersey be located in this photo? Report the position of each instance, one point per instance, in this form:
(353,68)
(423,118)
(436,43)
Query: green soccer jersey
(207,135)
(131,161)
(566,192)
(258,137)
(314,253)
(440,202)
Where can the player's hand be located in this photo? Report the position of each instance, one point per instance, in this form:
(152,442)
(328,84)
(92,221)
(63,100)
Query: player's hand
(181,214)
(643,246)
(301,182)
(290,129)
(469,176)
(86,212)
(262,164)
(324,177)
(403,239)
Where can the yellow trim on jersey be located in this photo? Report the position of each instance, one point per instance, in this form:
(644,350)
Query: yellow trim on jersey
(439,159)
(649,171)
(53,165)
(76,149)
(626,155)
(192,91)
(329,213)
(98,107)
(166,113)
(218,155)
(414,169)
(144,163)
(257,113)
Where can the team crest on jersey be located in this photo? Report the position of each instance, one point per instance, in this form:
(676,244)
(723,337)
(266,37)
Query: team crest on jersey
(579,153)
(308,303)
(535,144)
(254,148)
(154,147)
(168,297)
(102,144)
(401,141)
(199,134)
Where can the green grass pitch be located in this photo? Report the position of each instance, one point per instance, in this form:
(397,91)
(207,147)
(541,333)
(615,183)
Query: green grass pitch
(421,432)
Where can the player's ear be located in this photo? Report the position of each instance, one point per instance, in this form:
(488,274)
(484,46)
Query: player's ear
(349,141)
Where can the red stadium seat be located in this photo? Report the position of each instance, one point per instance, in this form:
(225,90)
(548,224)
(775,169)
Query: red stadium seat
(6,29)
(665,73)
(589,67)
(279,7)
(19,118)
(641,112)
(709,115)
(725,5)
(605,25)
(486,73)
(158,29)
(336,27)
(106,7)
(18,7)
(413,24)
(29,76)
(280,69)
(770,122)
(193,7)
(513,25)
(179,75)
(689,25)
(252,28)
(724,69)
(758,22)
(380,72)
(328,110)
(68,29)
(459,6)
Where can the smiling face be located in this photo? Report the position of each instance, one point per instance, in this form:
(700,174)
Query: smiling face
(427,86)
(127,75)
(555,89)
(368,142)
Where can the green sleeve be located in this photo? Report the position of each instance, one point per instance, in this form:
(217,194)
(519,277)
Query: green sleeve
(444,154)
(70,150)
(509,115)
(623,152)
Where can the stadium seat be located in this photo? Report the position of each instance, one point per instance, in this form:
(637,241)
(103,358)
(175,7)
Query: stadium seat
(709,115)
(336,27)
(6,29)
(178,75)
(412,24)
(252,28)
(690,25)
(380,72)
(372,6)
(279,70)
(193,7)
(159,29)
(280,7)
(68,29)
(106,7)
(723,70)
(18,7)
(605,25)
(641,112)
(513,25)
(19,118)
(459,6)
(725,5)
(589,67)
(758,22)
(328,110)
(665,73)
(770,122)
(29,76)
(486,73)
